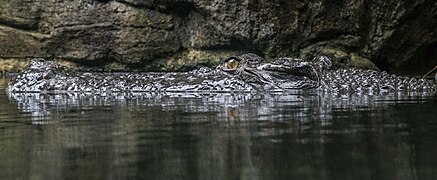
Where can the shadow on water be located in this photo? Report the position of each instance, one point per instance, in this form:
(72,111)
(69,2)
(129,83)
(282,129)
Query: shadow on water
(217,136)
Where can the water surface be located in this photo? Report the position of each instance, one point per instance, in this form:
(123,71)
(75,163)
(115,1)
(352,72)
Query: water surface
(217,136)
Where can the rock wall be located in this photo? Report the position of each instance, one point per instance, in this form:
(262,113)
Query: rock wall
(397,36)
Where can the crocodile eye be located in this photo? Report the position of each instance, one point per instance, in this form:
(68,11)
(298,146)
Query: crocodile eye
(232,64)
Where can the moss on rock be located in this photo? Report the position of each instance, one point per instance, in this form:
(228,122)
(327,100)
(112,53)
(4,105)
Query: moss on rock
(13,64)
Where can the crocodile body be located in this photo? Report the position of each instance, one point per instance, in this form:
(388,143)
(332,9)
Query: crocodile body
(245,73)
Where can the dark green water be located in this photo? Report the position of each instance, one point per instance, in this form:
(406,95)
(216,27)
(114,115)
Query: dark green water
(217,136)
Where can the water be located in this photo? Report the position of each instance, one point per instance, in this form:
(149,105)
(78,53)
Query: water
(217,136)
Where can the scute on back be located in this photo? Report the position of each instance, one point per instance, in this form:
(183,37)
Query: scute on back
(247,73)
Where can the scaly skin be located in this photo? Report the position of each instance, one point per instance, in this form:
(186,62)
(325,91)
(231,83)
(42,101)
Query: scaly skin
(245,73)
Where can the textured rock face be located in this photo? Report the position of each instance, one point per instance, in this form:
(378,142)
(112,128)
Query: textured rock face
(398,36)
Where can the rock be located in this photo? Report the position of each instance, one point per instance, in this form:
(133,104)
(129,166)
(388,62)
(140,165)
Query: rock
(12,65)
(398,36)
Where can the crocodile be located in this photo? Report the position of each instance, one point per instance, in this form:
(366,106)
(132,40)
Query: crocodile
(243,73)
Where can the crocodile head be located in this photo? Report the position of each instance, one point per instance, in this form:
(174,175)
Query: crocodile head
(282,73)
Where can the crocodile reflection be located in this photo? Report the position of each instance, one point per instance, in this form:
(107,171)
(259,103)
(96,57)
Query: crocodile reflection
(235,107)
(245,73)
